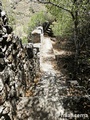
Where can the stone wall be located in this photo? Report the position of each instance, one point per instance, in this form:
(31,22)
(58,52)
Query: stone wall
(18,68)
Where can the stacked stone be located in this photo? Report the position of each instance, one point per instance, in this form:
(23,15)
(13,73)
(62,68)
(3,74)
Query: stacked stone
(36,59)
(47,29)
(17,68)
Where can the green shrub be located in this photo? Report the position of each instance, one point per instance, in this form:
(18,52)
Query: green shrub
(37,20)
(12,20)
(63,25)
(24,40)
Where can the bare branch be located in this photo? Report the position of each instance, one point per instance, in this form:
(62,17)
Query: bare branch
(49,2)
(56,5)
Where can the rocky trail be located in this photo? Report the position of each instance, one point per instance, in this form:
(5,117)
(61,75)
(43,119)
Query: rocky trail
(46,104)
(53,98)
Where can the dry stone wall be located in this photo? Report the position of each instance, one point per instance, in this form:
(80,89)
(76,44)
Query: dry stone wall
(18,67)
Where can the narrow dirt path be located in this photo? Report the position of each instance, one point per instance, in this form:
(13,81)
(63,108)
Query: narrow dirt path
(51,99)
(55,100)
(47,57)
(46,102)
(49,90)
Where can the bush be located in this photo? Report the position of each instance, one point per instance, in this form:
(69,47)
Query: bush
(12,20)
(37,20)
(63,25)
(24,40)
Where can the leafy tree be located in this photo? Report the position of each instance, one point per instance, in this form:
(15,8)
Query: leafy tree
(76,10)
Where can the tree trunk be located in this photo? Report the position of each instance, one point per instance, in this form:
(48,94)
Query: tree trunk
(76,39)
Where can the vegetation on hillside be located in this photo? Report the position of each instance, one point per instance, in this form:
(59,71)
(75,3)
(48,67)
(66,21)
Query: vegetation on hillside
(72,16)
(73,24)
(38,19)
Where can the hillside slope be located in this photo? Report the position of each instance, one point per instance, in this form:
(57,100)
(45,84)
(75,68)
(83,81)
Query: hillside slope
(20,12)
